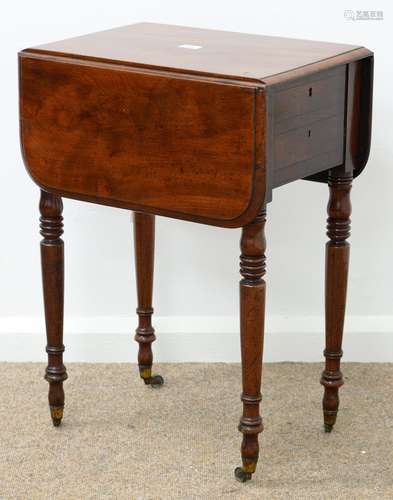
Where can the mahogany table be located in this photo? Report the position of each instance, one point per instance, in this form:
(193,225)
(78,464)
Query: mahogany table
(199,125)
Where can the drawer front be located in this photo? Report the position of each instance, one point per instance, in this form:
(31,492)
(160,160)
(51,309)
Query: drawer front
(324,91)
(308,126)
(303,143)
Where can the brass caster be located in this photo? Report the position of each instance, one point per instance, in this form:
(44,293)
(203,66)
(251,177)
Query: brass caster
(241,475)
(149,379)
(56,414)
(155,381)
(328,427)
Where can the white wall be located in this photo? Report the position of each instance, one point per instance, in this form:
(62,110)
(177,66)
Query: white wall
(197,266)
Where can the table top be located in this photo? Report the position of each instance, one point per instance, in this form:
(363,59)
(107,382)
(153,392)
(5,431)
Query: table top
(201,51)
(191,123)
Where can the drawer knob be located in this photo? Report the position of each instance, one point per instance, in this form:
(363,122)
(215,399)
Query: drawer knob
(310,91)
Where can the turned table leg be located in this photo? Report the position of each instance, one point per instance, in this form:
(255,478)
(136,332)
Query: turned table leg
(252,316)
(52,261)
(336,275)
(144,228)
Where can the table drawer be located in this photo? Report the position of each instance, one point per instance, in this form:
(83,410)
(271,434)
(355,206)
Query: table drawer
(311,141)
(324,91)
(308,126)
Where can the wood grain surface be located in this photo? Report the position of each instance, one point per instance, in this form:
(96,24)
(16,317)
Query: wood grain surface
(221,53)
(169,145)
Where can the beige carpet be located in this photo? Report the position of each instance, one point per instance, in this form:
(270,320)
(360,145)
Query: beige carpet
(122,440)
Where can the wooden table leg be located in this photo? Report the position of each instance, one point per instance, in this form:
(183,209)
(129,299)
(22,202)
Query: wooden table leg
(336,269)
(52,262)
(144,228)
(252,318)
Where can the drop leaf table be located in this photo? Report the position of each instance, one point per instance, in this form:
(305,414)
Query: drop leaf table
(199,125)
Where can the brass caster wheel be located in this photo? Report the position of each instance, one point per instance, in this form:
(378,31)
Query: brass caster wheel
(241,475)
(328,427)
(56,414)
(155,381)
